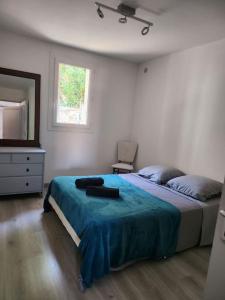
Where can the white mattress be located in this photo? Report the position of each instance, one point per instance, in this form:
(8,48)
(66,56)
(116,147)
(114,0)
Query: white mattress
(66,224)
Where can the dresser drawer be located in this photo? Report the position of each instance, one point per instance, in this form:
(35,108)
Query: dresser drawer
(5,158)
(32,158)
(20,185)
(21,170)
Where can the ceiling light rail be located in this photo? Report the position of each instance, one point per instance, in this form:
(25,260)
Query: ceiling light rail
(126,12)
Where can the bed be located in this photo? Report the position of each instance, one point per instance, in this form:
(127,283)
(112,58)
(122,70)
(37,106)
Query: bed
(149,221)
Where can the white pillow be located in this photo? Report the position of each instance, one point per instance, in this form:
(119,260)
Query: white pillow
(198,187)
(160,174)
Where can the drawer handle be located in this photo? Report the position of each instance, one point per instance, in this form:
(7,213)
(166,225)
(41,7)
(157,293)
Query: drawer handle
(28,158)
(28,170)
(27,183)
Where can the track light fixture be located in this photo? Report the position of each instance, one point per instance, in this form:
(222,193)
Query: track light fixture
(123,20)
(126,12)
(100,13)
(145,30)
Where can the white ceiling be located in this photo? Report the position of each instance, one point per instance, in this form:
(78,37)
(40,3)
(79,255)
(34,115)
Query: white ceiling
(178,24)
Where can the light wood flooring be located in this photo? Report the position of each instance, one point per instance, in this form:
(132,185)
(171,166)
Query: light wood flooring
(39,260)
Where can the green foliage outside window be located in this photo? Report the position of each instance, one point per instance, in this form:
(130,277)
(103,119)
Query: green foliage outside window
(71,85)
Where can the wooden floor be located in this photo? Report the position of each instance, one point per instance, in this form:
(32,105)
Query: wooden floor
(39,260)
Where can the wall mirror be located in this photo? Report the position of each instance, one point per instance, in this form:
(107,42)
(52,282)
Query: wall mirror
(19,108)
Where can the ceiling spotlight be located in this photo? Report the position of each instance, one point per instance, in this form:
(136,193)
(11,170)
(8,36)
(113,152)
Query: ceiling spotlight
(145,30)
(100,13)
(123,20)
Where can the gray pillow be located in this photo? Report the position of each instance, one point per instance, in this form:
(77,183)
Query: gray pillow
(198,187)
(160,174)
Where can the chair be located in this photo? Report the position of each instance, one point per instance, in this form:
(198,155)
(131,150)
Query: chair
(126,155)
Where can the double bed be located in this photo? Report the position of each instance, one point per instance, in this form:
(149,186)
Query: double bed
(148,221)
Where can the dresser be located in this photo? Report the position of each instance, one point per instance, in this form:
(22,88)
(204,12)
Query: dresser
(21,170)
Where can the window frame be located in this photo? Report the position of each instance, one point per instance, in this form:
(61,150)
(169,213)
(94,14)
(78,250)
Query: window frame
(53,103)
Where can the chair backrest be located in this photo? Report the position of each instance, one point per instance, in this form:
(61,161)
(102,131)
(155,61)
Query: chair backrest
(127,151)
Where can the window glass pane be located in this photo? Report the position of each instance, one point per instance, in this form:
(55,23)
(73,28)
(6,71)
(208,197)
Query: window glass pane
(72,101)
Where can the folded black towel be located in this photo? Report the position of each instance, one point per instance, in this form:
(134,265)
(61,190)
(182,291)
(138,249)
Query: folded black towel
(83,183)
(101,191)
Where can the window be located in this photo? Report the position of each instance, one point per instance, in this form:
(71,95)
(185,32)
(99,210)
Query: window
(72,95)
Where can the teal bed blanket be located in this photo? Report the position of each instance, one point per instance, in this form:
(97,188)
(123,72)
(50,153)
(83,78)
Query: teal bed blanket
(116,231)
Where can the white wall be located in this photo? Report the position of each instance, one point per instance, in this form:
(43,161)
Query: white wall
(12,124)
(215,287)
(179,115)
(12,94)
(31,111)
(1,122)
(69,152)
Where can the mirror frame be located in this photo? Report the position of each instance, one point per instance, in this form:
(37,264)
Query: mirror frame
(26,143)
